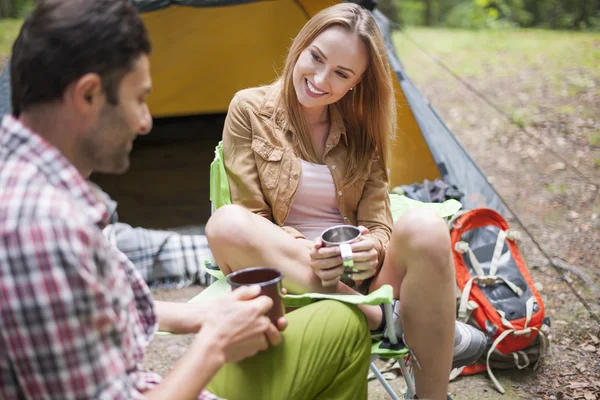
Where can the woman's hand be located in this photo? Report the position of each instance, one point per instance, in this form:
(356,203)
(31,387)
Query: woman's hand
(364,255)
(326,263)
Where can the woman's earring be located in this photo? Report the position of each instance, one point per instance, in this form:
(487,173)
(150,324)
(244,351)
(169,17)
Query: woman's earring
(352,88)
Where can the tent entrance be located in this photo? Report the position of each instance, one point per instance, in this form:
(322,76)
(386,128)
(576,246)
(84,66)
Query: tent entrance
(167,184)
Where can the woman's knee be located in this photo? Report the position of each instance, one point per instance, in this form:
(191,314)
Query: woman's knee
(228,226)
(421,233)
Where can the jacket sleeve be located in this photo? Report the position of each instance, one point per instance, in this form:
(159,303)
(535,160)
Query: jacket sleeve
(374,210)
(240,164)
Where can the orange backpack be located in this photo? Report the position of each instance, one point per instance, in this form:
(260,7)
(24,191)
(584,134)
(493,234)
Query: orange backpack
(496,293)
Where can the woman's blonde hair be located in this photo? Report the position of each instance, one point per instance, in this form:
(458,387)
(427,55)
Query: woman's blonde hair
(368,111)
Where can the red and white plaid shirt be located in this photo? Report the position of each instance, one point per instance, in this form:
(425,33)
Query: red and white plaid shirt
(75,314)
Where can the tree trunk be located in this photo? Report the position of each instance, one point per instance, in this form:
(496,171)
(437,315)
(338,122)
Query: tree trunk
(6,9)
(586,11)
(429,12)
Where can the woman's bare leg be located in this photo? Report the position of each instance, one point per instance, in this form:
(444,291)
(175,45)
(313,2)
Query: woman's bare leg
(419,266)
(240,239)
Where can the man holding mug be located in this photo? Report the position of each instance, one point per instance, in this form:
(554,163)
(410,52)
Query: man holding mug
(75,314)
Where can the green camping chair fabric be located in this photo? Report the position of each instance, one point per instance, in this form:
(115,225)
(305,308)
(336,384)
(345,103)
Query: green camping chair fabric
(220,196)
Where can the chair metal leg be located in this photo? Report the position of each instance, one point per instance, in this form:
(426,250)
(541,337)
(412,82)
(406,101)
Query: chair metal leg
(409,378)
(383,382)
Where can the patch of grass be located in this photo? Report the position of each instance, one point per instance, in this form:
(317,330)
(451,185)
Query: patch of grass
(597,162)
(9,30)
(518,117)
(557,189)
(506,52)
(594,138)
(566,109)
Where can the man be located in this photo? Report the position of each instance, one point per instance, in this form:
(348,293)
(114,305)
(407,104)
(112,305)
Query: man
(75,314)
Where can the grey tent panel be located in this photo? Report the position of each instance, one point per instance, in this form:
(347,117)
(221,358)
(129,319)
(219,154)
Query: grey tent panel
(5,92)
(455,164)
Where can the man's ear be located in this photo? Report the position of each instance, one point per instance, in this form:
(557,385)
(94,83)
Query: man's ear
(86,93)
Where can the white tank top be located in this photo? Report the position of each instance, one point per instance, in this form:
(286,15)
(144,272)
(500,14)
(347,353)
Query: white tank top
(315,207)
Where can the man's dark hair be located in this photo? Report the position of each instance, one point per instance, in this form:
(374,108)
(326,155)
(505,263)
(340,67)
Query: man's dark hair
(62,40)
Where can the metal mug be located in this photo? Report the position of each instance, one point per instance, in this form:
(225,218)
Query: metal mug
(343,236)
(269,280)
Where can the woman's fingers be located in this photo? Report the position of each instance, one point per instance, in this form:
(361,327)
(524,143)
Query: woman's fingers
(362,245)
(363,256)
(325,252)
(330,274)
(364,266)
(360,276)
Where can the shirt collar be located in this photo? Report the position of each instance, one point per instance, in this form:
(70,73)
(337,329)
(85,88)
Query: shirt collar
(21,142)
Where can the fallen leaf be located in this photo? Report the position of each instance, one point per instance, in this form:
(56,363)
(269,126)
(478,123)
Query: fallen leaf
(589,396)
(578,385)
(594,338)
(589,348)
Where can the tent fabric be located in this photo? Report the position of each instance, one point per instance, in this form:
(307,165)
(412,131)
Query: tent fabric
(153,5)
(202,55)
(453,162)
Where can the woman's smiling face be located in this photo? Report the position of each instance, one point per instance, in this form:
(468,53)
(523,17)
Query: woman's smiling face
(326,70)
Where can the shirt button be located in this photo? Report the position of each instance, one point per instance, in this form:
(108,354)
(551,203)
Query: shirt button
(345,218)
(340,193)
(333,167)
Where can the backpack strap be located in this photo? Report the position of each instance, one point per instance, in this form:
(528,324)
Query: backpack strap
(490,279)
(527,330)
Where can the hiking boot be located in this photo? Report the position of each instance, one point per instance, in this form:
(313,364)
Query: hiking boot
(469,342)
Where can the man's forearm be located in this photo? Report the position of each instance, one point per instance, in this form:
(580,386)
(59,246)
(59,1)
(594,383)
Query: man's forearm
(180,318)
(192,372)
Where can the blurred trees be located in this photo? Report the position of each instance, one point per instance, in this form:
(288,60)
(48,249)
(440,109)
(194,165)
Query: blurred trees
(554,14)
(15,8)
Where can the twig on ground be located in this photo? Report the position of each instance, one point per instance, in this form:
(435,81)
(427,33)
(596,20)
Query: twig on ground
(574,270)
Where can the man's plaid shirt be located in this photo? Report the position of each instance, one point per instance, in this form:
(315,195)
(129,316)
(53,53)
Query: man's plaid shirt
(75,314)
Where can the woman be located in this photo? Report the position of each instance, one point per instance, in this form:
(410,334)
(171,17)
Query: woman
(310,151)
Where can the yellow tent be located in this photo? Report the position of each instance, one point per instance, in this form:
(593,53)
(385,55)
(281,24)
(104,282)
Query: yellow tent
(204,54)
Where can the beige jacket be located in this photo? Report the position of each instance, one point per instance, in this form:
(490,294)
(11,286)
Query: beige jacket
(264,172)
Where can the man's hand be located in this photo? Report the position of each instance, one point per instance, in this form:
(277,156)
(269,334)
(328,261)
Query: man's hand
(238,323)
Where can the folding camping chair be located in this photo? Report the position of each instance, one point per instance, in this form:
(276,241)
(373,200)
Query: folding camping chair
(388,346)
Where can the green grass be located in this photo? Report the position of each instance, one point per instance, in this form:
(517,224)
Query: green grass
(594,138)
(473,53)
(524,59)
(9,29)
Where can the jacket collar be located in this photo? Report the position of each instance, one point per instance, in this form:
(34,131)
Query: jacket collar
(268,108)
